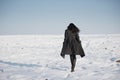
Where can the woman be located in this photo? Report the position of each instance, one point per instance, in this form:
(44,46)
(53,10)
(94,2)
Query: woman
(72,45)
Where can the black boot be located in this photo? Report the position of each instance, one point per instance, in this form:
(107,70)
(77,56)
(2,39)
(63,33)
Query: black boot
(72,69)
(73,62)
(73,65)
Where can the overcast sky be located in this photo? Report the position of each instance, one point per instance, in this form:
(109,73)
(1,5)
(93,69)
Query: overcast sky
(53,16)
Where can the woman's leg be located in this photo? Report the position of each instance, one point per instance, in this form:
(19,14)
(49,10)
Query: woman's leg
(73,62)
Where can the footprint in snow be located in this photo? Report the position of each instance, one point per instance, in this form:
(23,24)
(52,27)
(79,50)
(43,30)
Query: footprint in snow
(84,68)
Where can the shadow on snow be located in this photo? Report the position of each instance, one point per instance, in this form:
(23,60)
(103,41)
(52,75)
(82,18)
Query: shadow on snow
(19,64)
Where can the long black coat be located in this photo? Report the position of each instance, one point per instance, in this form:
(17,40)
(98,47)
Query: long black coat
(72,44)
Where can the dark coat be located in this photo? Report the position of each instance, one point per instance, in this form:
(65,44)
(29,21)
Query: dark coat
(72,44)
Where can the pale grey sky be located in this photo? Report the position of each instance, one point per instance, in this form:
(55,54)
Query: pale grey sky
(53,16)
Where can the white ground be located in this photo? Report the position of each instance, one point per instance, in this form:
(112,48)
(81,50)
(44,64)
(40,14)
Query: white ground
(37,57)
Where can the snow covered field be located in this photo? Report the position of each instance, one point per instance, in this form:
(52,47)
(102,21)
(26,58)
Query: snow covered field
(37,57)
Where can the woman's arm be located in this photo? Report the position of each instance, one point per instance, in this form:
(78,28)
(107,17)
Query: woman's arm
(64,43)
(77,38)
(66,36)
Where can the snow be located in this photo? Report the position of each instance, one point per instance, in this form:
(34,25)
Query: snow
(37,57)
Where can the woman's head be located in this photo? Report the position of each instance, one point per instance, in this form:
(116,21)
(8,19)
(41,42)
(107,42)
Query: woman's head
(73,28)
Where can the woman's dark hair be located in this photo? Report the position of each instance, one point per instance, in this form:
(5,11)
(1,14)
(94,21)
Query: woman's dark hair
(73,28)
